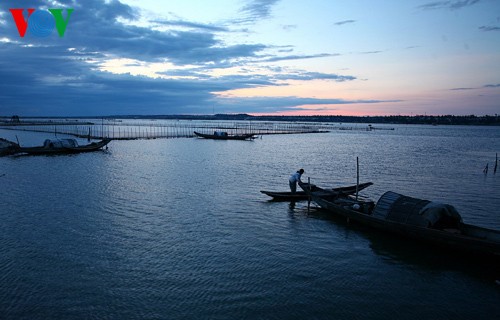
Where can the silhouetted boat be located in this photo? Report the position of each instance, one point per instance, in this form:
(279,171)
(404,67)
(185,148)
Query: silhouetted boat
(222,135)
(7,147)
(421,220)
(62,146)
(302,195)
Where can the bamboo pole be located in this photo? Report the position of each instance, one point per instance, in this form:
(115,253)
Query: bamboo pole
(357,177)
(309,194)
(496,163)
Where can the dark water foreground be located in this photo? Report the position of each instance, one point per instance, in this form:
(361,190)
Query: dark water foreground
(177,229)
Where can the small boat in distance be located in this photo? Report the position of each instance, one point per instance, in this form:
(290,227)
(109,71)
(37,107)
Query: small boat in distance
(222,135)
(302,195)
(424,221)
(61,146)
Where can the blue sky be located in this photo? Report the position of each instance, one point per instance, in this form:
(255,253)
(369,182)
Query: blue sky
(344,57)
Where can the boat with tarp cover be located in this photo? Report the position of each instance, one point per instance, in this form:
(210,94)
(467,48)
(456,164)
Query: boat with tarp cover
(61,146)
(425,221)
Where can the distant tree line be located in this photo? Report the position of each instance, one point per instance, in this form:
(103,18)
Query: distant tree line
(417,119)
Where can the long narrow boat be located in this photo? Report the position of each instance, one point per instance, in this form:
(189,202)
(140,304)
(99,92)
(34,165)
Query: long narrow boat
(302,195)
(421,220)
(222,135)
(62,146)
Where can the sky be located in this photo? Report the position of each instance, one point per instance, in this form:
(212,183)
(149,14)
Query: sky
(276,57)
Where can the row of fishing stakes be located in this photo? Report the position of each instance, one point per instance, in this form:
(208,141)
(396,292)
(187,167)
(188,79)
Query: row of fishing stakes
(166,129)
(485,170)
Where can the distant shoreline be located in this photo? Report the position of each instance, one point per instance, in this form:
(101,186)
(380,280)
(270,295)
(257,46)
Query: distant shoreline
(396,119)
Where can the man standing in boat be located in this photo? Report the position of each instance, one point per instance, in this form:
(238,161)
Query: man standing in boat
(294,178)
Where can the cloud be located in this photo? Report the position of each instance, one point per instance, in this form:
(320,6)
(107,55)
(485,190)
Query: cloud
(62,84)
(298,57)
(95,24)
(340,23)
(370,52)
(489,28)
(280,79)
(308,76)
(452,5)
(190,25)
(67,76)
(462,89)
(289,27)
(47,80)
(486,86)
(257,10)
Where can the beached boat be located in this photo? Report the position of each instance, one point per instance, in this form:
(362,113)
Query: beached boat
(302,195)
(62,146)
(421,220)
(222,135)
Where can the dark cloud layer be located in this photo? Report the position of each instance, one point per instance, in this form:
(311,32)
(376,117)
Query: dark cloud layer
(61,76)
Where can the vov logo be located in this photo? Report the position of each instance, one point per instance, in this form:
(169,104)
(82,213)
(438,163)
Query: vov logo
(41,23)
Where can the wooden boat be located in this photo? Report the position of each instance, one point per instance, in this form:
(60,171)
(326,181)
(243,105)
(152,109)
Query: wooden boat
(7,147)
(302,195)
(420,220)
(222,135)
(62,146)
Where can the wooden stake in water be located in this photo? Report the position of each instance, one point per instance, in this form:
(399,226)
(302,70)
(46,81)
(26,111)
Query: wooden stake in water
(496,163)
(357,177)
(309,193)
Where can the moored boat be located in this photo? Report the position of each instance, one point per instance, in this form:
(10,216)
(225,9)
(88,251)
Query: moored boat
(421,220)
(62,146)
(302,195)
(222,135)
(7,147)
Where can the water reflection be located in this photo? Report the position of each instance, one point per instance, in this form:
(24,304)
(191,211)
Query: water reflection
(406,252)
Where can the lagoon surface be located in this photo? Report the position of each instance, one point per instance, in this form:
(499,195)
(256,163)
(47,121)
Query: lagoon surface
(177,229)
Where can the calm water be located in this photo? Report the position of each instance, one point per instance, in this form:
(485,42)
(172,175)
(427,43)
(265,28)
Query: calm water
(177,229)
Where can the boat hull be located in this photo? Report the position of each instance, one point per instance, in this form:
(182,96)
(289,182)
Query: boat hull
(302,195)
(95,146)
(465,240)
(226,137)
